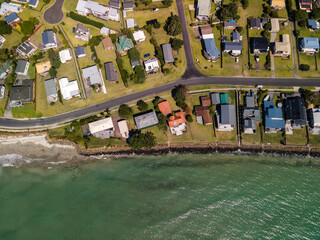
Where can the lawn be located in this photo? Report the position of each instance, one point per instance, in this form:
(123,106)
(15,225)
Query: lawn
(252,138)
(226,136)
(314,140)
(26,111)
(108,142)
(272,138)
(3,102)
(309,60)
(298,138)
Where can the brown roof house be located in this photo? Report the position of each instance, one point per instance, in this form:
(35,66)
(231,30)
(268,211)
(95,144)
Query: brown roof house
(107,44)
(202,111)
(43,68)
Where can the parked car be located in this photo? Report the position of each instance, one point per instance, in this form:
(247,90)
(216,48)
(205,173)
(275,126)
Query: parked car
(155,10)
(259,86)
(256,57)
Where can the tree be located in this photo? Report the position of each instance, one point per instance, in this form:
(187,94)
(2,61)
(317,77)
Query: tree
(245,3)
(34,20)
(179,94)
(176,43)
(4,54)
(134,54)
(27,27)
(315,13)
(140,140)
(5,28)
(228,11)
(189,118)
(141,76)
(52,54)
(304,67)
(162,122)
(156,101)
(265,33)
(301,16)
(267,26)
(142,106)
(52,72)
(173,25)
(167,3)
(55,63)
(125,111)
(156,25)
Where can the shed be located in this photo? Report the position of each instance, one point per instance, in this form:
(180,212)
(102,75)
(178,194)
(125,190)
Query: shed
(215,98)
(80,52)
(167,53)
(224,98)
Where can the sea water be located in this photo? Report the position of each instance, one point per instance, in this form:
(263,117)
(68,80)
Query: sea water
(163,197)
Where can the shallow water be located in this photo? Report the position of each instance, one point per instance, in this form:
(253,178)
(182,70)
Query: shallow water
(164,197)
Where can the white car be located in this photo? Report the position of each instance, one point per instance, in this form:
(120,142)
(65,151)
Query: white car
(259,86)
(155,10)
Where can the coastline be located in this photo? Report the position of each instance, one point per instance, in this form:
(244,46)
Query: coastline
(37,149)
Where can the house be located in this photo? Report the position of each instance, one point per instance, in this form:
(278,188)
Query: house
(278,4)
(146,120)
(309,45)
(82,32)
(49,40)
(233,48)
(65,56)
(128,5)
(230,25)
(134,63)
(80,52)
(51,90)
(113,15)
(123,45)
(111,73)
(21,93)
(312,24)
(151,65)
(250,115)
(210,52)
(4,69)
(167,53)
(295,111)
(164,108)
(107,44)
(205,101)
(130,22)
(92,75)
(224,98)
(206,31)
(315,118)
(98,10)
(22,67)
(115,4)
(43,68)
(69,89)
(305,5)
(275,26)
(139,36)
(259,45)
(215,98)
(12,19)
(123,128)
(33,3)
(203,10)
(255,23)
(217,1)
(202,112)
(273,118)
(102,129)
(9,8)
(26,49)
(235,36)
(226,117)
(177,123)
(283,48)
(105,31)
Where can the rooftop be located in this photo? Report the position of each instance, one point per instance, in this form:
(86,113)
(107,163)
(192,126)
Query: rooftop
(164,107)
(146,120)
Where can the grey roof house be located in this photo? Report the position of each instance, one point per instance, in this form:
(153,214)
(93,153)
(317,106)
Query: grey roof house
(250,115)
(51,90)
(167,53)
(233,48)
(215,98)
(22,67)
(259,45)
(26,49)
(49,40)
(128,5)
(235,36)
(80,52)
(111,73)
(295,111)
(115,4)
(134,63)
(146,120)
(92,75)
(230,25)
(22,93)
(255,23)
(82,32)
(203,10)
(226,117)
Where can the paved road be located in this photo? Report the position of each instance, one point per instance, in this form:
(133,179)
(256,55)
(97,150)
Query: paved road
(54,14)
(192,77)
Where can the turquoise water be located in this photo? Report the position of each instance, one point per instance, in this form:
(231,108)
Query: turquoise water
(166,197)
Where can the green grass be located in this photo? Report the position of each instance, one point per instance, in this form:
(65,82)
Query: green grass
(26,111)
(314,140)
(108,142)
(57,132)
(298,137)
(251,138)
(272,138)
(226,136)
(3,102)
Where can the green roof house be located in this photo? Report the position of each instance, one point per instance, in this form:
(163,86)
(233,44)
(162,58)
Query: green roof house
(123,45)
(224,98)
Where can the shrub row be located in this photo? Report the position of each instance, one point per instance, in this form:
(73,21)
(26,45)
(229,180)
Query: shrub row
(85,20)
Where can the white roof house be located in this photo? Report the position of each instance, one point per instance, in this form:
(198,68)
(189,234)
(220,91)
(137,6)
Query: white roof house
(114,15)
(92,75)
(65,56)
(9,7)
(139,36)
(130,22)
(123,128)
(69,89)
(104,31)
(315,117)
(81,7)
(101,125)
(151,65)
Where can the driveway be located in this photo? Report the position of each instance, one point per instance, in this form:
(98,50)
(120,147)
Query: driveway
(54,14)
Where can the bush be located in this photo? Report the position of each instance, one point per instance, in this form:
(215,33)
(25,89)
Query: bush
(162,122)
(85,20)
(141,76)
(142,106)
(140,140)
(133,54)
(189,118)
(52,72)
(113,38)
(166,71)
(157,25)
(5,28)
(304,67)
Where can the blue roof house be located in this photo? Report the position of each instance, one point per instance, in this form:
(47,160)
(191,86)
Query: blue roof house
(309,45)
(49,40)
(12,19)
(210,51)
(33,3)
(312,24)
(274,121)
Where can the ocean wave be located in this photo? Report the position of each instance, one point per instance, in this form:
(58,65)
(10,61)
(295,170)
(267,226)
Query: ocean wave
(16,160)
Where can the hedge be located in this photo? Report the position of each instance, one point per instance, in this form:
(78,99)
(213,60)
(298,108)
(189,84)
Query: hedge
(85,20)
